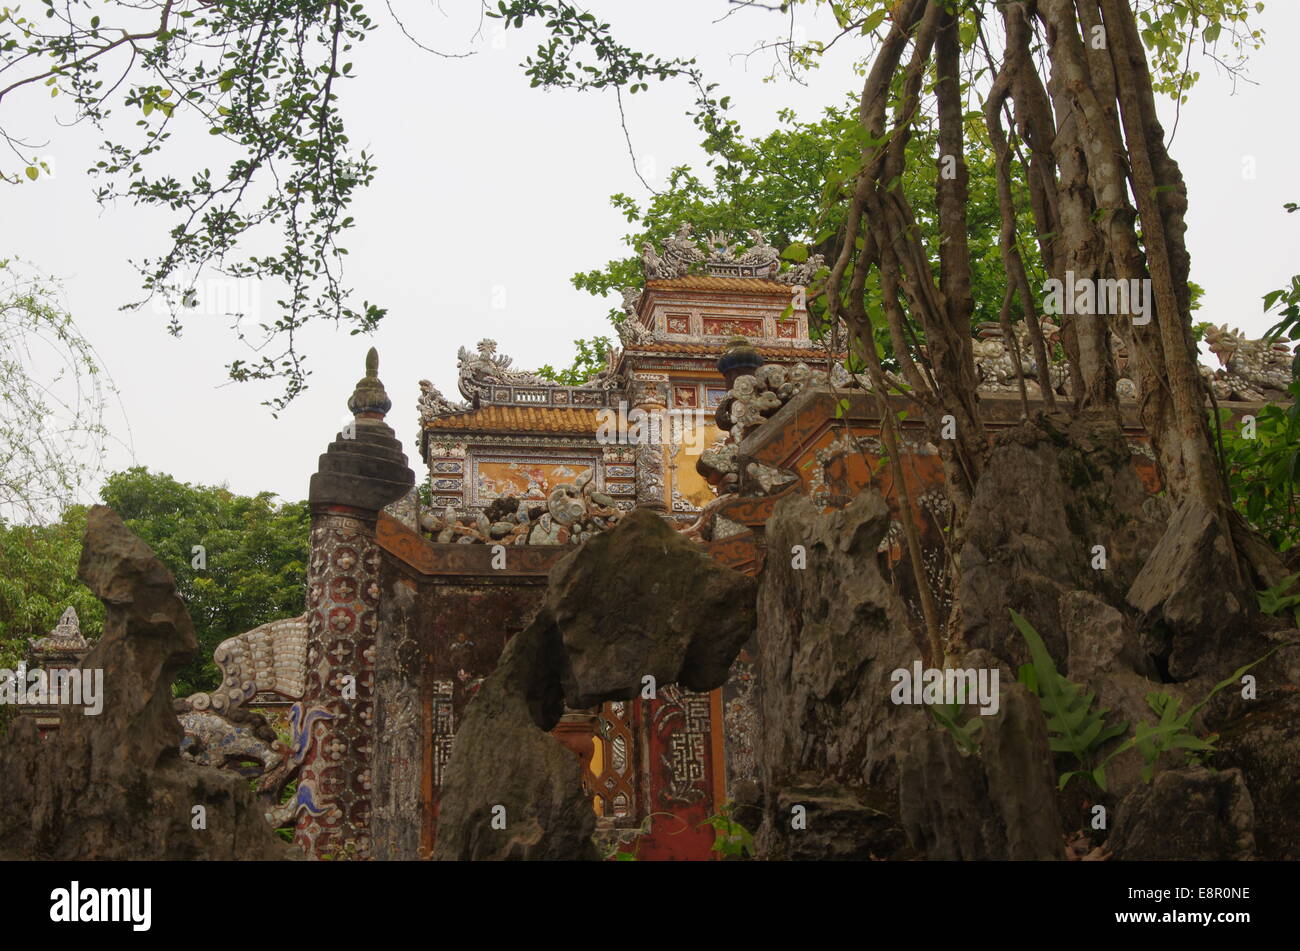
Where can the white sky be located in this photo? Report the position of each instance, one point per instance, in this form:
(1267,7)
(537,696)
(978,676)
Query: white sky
(490,193)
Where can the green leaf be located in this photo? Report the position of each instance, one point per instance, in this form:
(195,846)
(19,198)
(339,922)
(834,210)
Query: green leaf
(1073,726)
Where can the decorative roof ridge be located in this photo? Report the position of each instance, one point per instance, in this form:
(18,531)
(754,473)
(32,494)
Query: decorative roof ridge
(758,286)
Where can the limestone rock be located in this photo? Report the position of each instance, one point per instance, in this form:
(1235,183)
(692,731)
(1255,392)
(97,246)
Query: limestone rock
(1184,583)
(634,601)
(943,800)
(829,636)
(1193,814)
(504,767)
(836,824)
(113,786)
(1052,489)
(998,804)
(642,600)
(1265,745)
(1104,655)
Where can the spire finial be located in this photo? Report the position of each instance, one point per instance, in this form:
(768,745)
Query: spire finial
(369,399)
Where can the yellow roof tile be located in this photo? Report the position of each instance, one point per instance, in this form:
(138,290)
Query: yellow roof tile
(707,282)
(807,353)
(524,419)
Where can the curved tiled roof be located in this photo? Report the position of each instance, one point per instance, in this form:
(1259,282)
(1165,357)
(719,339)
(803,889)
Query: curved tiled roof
(526,419)
(705,349)
(707,282)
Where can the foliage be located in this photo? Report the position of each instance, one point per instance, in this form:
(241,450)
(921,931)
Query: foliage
(53,394)
(731,839)
(1264,471)
(966,735)
(575,33)
(38,582)
(265,79)
(1170,29)
(1287,300)
(256,553)
(256,563)
(590,359)
(791,185)
(1073,726)
(1171,730)
(261,78)
(1282,597)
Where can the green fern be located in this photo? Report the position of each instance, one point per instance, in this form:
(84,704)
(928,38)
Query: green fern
(1170,732)
(1073,726)
(1281,597)
(966,737)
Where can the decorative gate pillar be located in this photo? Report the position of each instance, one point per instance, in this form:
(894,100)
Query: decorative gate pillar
(649,401)
(363,470)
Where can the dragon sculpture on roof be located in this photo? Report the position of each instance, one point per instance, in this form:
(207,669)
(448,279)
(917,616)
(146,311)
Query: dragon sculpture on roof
(1252,370)
(478,371)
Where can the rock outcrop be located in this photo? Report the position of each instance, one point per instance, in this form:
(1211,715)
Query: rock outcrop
(511,790)
(1052,489)
(831,631)
(1186,584)
(639,600)
(997,804)
(1261,737)
(1105,654)
(1194,814)
(113,785)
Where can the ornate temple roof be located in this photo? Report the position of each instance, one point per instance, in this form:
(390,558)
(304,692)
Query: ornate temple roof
(709,282)
(714,349)
(519,419)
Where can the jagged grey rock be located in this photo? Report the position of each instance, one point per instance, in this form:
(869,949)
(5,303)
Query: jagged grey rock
(1105,657)
(997,804)
(1192,814)
(834,824)
(642,600)
(1263,741)
(829,636)
(511,790)
(1025,547)
(1185,584)
(113,786)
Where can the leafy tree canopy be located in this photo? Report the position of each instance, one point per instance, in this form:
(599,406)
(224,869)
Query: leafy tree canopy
(38,582)
(255,553)
(53,395)
(792,185)
(264,79)
(253,570)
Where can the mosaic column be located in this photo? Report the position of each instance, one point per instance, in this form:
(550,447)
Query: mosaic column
(333,725)
(650,398)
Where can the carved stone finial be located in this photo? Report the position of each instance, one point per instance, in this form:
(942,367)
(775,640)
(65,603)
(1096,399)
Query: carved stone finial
(370,399)
(363,473)
(65,636)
